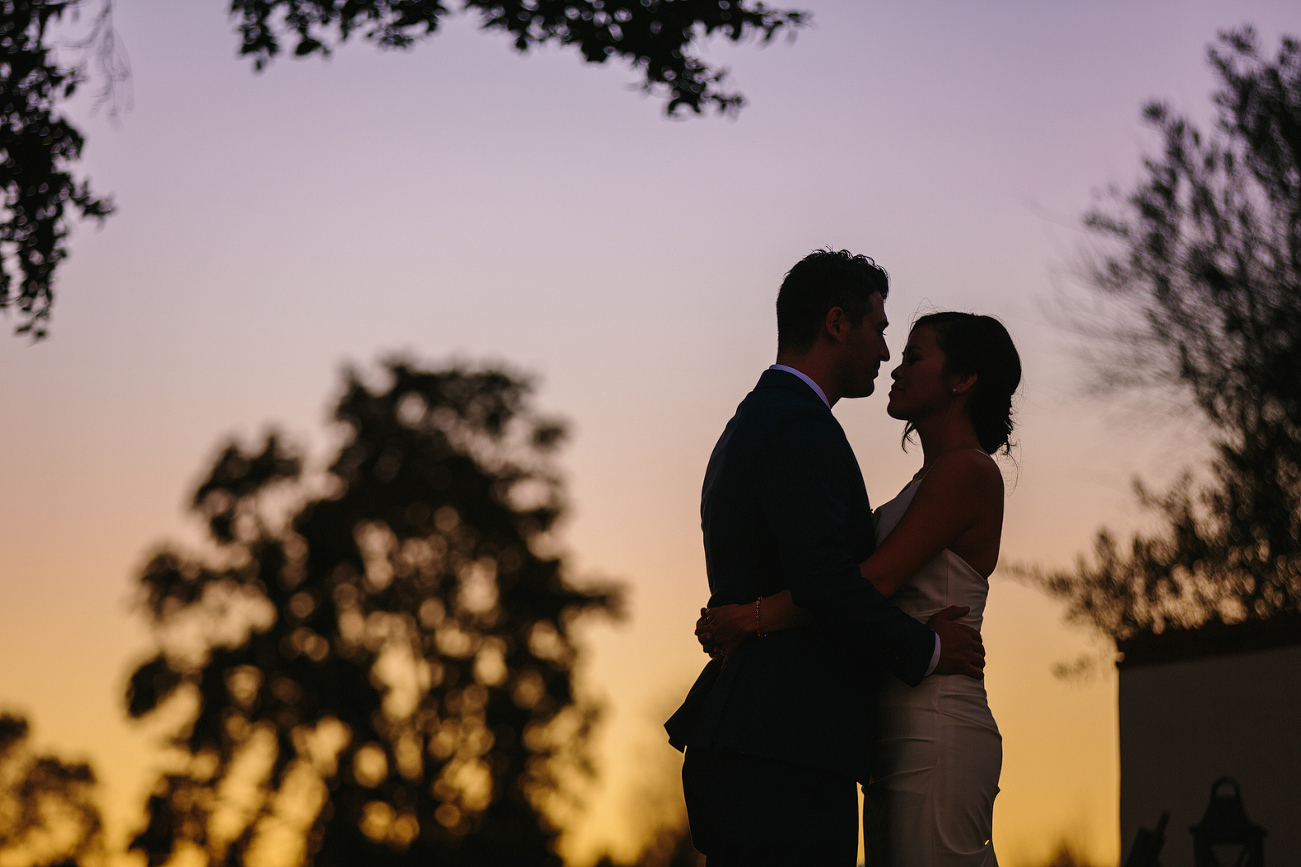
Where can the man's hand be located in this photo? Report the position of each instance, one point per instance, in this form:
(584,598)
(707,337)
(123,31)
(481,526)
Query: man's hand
(961,650)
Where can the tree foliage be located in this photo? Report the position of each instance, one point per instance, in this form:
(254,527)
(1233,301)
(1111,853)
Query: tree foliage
(39,147)
(669,846)
(1205,256)
(376,666)
(48,815)
(38,150)
(656,37)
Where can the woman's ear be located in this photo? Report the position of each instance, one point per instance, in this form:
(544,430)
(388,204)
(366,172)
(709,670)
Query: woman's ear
(962,384)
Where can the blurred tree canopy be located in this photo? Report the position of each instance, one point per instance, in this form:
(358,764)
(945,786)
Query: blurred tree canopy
(1203,258)
(670,846)
(48,815)
(39,147)
(374,666)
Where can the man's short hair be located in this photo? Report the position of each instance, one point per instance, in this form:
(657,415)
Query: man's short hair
(820,281)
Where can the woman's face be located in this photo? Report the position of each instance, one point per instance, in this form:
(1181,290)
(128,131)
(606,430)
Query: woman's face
(921,385)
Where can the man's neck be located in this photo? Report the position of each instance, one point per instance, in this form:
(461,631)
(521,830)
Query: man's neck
(816,369)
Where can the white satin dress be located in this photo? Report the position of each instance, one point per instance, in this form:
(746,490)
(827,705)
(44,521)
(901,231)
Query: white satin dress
(938,751)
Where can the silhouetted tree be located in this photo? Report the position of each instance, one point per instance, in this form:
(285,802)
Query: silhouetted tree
(48,815)
(38,148)
(375,666)
(1206,257)
(656,37)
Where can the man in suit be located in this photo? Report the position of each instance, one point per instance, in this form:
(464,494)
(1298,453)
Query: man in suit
(776,738)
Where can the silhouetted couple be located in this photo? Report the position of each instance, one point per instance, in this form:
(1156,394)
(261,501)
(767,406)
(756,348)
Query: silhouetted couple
(845,645)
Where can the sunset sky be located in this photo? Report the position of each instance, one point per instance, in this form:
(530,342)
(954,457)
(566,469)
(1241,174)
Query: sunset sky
(463,201)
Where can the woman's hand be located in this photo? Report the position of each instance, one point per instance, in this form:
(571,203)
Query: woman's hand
(723,629)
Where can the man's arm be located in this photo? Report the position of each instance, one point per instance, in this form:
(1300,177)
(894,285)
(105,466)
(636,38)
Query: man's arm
(809,510)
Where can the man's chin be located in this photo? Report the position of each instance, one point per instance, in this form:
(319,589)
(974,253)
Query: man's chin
(862,391)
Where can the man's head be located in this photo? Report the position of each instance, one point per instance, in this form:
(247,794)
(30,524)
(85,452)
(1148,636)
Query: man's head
(831,320)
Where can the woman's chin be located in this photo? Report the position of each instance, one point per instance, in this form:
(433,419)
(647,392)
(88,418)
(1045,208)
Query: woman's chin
(895,411)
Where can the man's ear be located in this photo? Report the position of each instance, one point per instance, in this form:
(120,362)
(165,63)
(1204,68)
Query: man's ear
(835,324)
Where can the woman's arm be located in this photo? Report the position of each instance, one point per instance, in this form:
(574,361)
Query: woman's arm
(723,629)
(962,489)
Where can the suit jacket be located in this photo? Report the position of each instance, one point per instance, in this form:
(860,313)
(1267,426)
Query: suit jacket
(784,508)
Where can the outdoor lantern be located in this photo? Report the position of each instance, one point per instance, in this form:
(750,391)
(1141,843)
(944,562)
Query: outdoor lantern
(1225,837)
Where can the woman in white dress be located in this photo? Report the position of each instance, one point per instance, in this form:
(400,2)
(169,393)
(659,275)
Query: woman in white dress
(938,751)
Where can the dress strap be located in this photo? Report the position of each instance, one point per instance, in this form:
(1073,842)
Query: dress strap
(917,478)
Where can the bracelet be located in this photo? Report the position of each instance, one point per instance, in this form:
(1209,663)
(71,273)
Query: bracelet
(758,627)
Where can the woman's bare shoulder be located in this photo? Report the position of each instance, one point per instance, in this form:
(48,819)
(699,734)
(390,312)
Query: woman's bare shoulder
(970,469)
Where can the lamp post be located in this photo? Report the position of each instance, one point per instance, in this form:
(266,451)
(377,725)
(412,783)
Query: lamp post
(1226,837)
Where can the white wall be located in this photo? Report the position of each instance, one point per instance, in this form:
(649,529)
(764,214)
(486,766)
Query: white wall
(1184,724)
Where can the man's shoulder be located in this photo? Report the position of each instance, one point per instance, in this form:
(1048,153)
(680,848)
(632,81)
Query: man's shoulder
(780,395)
(772,424)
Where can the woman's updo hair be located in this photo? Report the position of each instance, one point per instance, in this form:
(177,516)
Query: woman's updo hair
(980,346)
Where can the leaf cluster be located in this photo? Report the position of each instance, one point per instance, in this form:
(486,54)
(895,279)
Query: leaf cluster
(377,666)
(656,37)
(48,814)
(1204,257)
(38,148)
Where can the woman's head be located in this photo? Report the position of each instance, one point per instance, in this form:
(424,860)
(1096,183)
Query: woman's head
(972,354)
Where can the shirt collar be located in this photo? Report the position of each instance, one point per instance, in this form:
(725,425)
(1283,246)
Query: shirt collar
(813,385)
